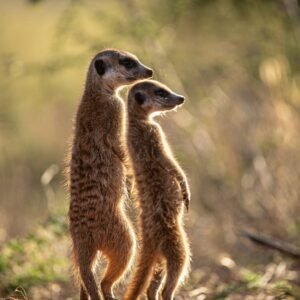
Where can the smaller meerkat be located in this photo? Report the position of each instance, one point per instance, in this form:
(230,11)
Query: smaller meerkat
(98,220)
(162,191)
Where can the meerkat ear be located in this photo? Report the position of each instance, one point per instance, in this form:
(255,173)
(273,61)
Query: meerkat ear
(139,98)
(100,67)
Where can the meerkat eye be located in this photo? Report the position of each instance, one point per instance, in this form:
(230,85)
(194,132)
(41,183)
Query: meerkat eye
(161,93)
(128,63)
(140,98)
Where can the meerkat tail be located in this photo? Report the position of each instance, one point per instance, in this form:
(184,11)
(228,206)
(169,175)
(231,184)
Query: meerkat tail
(142,276)
(84,255)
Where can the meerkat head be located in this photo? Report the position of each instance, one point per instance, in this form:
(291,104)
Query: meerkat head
(150,96)
(113,68)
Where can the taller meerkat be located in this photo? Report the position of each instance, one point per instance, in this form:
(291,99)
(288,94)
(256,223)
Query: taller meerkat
(97,173)
(162,191)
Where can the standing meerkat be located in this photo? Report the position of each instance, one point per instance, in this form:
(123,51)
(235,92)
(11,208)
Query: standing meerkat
(97,173)
(162,191)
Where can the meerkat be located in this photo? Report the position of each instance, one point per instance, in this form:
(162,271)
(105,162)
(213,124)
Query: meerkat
(97,173)
(161,191)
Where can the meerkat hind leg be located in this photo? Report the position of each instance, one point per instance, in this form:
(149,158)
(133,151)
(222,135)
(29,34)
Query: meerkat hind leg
(85,259)
(158,276)
(119,259)
(142,275)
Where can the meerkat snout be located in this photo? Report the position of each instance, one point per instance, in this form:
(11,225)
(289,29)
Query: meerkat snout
(148,73)
(180,99)
(135,69)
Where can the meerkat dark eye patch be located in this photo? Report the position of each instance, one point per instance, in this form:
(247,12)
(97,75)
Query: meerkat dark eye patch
(139,98)
(100,67)
(128,63)
(161,93)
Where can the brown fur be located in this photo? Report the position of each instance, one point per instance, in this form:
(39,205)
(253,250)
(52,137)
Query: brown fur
(162,191)
(97,175)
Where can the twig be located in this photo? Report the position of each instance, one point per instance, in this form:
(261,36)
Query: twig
(270,242)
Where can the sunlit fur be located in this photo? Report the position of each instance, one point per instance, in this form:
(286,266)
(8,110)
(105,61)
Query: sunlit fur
(97,218)
(161,191)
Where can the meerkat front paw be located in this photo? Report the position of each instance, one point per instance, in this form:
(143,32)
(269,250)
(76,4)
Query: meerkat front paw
(186,199)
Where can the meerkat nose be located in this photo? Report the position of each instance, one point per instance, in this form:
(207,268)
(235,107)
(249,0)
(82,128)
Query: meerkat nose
(180,99)
(149,73)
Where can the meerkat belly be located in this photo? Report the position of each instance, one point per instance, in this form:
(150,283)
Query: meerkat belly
(157,183)
(96,187)
(160,198)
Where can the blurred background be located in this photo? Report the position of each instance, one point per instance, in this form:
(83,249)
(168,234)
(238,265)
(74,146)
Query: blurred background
(237,136)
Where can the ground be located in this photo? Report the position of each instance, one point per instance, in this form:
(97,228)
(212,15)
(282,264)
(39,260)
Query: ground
(37,267)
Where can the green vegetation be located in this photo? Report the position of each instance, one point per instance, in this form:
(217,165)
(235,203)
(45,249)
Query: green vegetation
(37,259)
